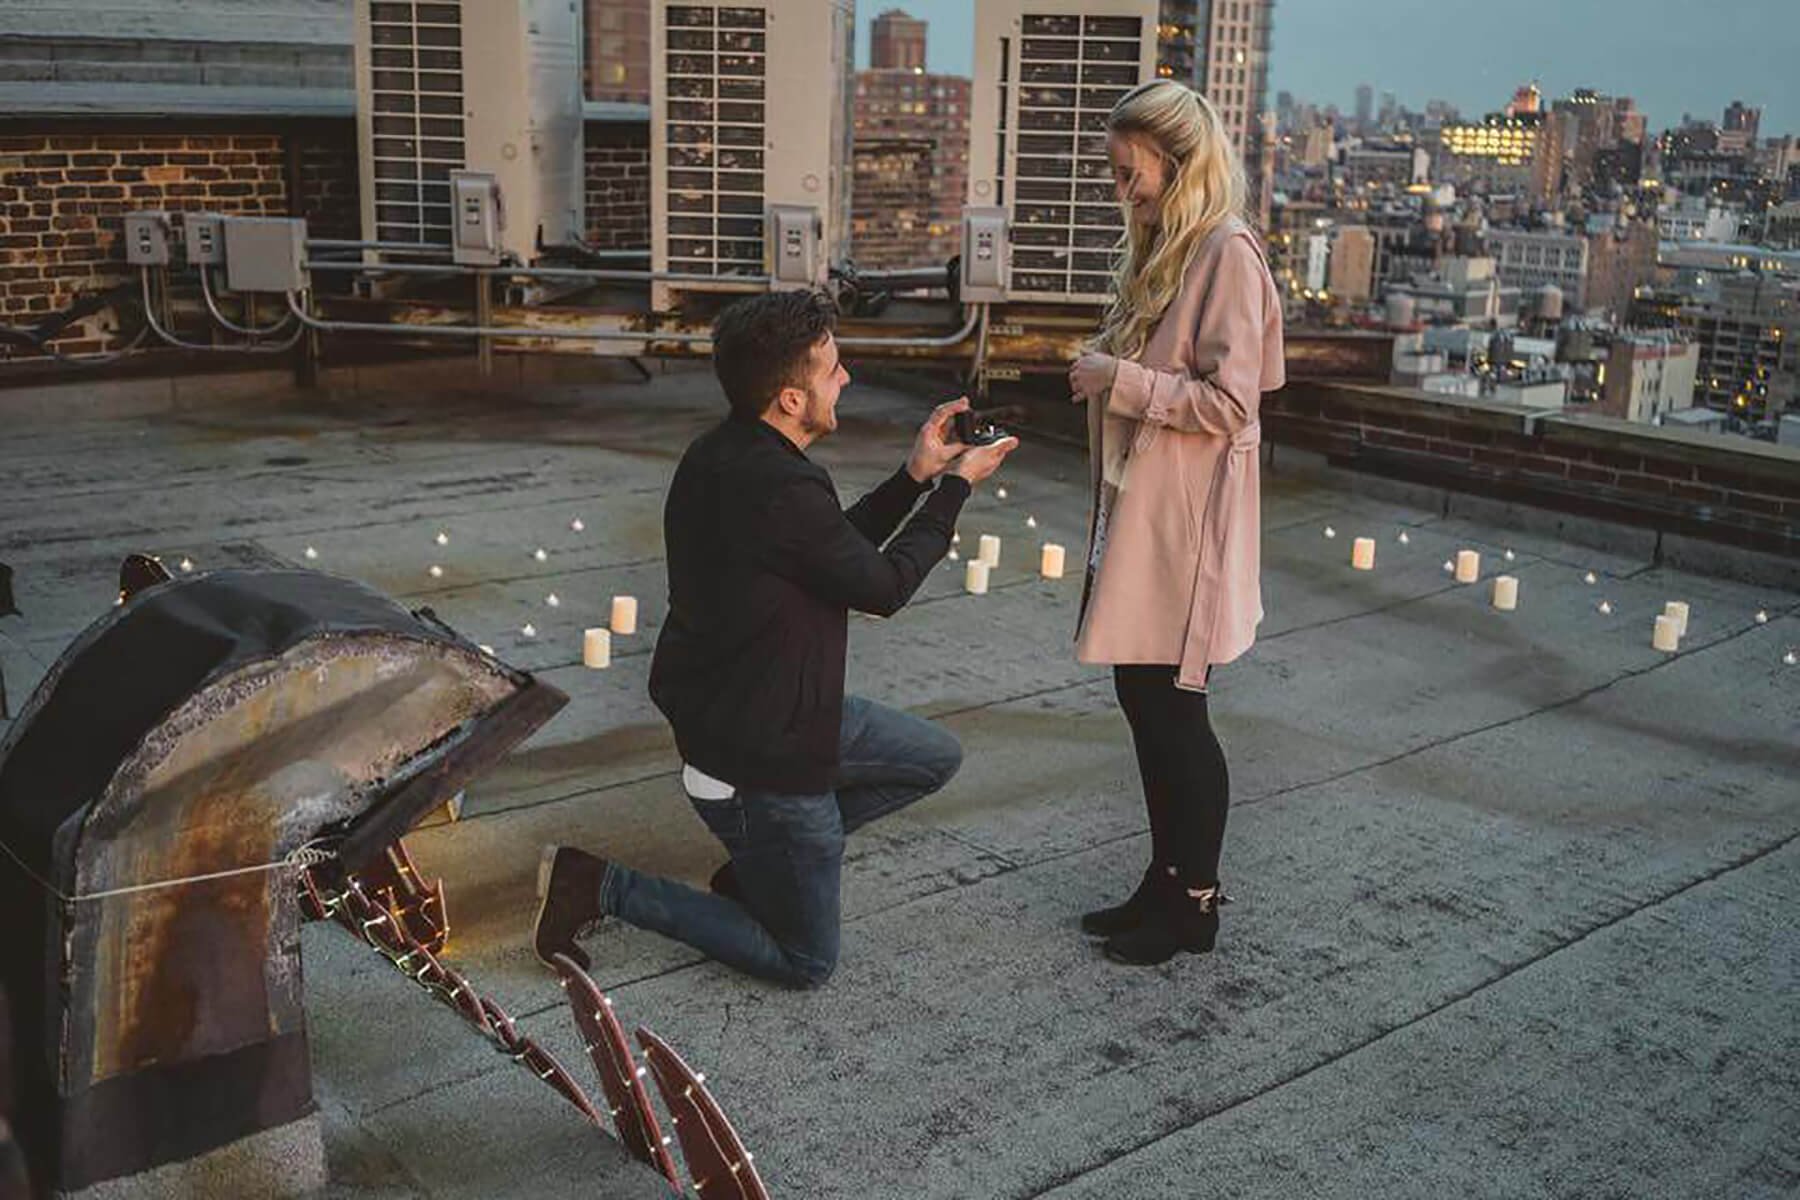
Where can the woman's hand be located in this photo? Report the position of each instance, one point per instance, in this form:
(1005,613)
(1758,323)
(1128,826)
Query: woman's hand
(1090,376)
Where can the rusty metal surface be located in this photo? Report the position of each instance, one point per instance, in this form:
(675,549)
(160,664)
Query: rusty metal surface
(172,762)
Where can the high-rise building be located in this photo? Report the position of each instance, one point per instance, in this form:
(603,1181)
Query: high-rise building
(1221,49)
(1526,99)
(1646,374)
(616,65)
(896,42)
(1365,105)
(1494,156)
(910,154)
(1620,260)
(1353,264)
(1530,258)
(1742,118)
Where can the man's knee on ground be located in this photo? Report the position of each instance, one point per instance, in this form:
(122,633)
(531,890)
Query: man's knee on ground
(947,758)
(807,972)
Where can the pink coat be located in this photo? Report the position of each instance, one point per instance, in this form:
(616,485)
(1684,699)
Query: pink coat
(1178,580)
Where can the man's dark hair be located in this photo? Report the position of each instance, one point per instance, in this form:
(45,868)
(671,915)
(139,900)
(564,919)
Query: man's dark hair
(762,344)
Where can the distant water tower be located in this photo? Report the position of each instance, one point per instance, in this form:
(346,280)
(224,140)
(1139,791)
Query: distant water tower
(1550,302)
(1401,310)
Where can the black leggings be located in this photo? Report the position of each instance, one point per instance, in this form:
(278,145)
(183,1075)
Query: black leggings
(1186,787)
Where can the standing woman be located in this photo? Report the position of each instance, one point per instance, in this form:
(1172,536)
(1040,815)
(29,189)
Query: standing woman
(1173,384)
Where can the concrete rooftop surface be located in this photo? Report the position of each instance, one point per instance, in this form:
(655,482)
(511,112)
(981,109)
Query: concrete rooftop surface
(1514,892)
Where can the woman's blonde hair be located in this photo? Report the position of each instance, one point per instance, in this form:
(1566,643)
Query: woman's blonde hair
(1205,186)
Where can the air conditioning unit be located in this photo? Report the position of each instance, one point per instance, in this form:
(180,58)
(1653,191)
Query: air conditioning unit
(1047,72)
(483,85)
(749,122)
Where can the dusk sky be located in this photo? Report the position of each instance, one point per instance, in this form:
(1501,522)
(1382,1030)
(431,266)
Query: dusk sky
(1671,57)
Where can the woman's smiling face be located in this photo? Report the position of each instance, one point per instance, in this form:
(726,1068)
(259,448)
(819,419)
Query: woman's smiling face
(1140,175)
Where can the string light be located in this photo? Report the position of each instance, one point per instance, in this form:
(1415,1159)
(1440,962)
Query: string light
(541,554)
(1791,659)
(1449,566)
(311,552)
(552,600)
(1606,608)
(529,630)
(1405,539)
(1762,616)
(487,650)
(578,524)
(435,571)
(1031,522)
(1330,532)
(187,564)
(443,539)
(1000,493)
(1590,577)
(1509,556)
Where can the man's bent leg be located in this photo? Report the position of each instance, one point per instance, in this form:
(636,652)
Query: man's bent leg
(888,759)
(786,852)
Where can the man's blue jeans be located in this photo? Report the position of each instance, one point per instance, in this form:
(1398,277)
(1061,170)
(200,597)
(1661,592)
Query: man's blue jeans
(787,852)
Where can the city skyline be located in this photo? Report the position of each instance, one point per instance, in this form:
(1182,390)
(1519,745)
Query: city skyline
(1323,49)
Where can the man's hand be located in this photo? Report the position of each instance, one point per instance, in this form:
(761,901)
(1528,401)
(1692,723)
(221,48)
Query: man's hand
(1091,375)
(978,463)
(933,451)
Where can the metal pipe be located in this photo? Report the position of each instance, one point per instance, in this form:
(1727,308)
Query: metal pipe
(477,331)
(905,277)
(356,244)
(212,306)
(544,272)
(968,327)
(171,339)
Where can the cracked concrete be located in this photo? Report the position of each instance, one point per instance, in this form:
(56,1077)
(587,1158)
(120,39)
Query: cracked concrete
(1513,891)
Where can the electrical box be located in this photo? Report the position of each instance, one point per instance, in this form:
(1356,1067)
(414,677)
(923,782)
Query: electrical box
(265,254)
(475,200)
(205,242)
(749,113)
(147,238)
(795,255)
(1047,73)
(483,85)
(986,261)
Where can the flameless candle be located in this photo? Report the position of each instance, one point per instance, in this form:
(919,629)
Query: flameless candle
(990,550)
(1679,610)
(624,615)
(1468,566)
(1362,554)
(975,578)
(1668,633)
(596,648)
(1506,592)
(1051,564)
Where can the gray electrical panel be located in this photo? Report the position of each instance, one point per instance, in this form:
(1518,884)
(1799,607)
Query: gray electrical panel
(477,218)
(147,238)
(265,254)
(986,259)
(204,239)
(796,253)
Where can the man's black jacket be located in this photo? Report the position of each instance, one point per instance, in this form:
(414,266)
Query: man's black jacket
(763,568)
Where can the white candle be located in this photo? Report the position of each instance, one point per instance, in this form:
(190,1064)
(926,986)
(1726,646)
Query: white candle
(1468,566)
(1506,592)
(1051,564)
(975,578)
(1362,554)
(1679,610)
(596,648)
(1668,633)
(990,550)
(624,615)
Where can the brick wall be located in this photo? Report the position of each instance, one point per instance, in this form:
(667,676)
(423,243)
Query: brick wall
(1730,490)
(64,192)
(618,185)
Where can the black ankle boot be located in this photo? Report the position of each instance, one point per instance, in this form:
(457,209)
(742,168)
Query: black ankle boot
(569,907)
(1179,919)
(1109,922)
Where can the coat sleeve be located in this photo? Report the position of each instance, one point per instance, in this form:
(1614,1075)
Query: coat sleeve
(1225,393)
(813,544)
(879,513)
